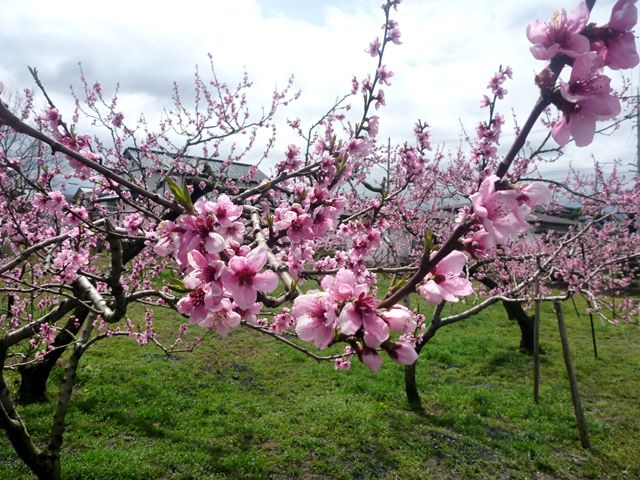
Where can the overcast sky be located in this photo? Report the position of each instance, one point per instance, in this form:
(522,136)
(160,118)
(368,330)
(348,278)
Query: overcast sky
(450,49)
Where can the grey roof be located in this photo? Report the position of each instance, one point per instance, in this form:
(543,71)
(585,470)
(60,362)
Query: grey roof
(234,171)
(546,218)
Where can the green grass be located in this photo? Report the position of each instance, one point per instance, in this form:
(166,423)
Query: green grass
(247,407)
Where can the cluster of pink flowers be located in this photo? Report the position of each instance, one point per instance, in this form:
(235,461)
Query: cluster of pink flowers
(412,161)
(78,143)
(292,160)
(587,97)
(345,307)
(223,275)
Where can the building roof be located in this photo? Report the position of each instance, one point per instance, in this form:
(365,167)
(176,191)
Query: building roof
(234,171)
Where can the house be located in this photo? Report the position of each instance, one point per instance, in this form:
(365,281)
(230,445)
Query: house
(163,165)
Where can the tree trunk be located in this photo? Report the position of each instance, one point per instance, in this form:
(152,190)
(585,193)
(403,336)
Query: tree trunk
(33,382)
(43,464)
(525,322)
(411,387)
(516,312)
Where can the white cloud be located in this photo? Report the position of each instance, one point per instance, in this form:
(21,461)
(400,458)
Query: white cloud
(449,51)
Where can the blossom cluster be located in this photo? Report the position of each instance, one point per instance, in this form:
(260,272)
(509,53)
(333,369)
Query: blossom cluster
(587,97)
(345,307)
(224,276)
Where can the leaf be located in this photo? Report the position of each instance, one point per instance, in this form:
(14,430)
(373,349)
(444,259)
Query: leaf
(181,194)
(177,286)
(428,244)
(396,283)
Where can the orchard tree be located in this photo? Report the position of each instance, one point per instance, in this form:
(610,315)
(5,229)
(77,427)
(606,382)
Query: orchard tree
(231,242)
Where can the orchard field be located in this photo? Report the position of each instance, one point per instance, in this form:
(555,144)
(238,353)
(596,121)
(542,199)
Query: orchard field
(248,407)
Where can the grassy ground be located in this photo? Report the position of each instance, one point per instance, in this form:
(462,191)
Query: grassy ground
(246,407)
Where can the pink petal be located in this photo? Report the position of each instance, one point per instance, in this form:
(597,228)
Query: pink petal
(244,296)
(460,287)
(214,243)
(403,353)
(583,128)
(376,331)
(349,320)
(622,53)
(560,132)
(452,264)
(430,292)
(370,359)
(537,194)
(624,16)
(197,260)
(258,258)
(266,281)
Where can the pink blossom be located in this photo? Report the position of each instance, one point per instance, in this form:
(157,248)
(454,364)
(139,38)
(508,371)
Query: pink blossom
(355,85)
(292,161)
(225,210)
(384,75)
(343,286)
(223,318)
(203,271)
(233,231)
(560,35)
(198,304)
(166,230)
(52,202)
(358,148)
(402,352)
(374,48)
(117,119)
(446,281)
(362,313)
(242,279)
(534,194)
(619,41)
(297,224)
(393,33)
(400,319)
(76,216)
(132,223)
(380,100)
(325,220)
(342,364)
(199,232)
(68,262)
(499,211)
(282,321)
(250,315)
(587,97)
(360,309)
(370,358)
(479,242)
(372,126)
(315,314)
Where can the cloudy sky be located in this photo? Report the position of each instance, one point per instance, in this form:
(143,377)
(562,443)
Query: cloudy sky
(450,49)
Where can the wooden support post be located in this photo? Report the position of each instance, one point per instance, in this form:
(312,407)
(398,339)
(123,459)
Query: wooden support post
(593,330)
(575,396)
(536,347)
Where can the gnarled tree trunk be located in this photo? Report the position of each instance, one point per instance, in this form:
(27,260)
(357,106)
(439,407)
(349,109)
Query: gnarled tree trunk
(33,381)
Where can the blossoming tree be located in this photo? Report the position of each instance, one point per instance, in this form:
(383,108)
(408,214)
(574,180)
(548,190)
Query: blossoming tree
(233,242)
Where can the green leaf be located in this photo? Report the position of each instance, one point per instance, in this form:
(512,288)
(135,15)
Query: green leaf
(428,244)
(177,286)
(180,193)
